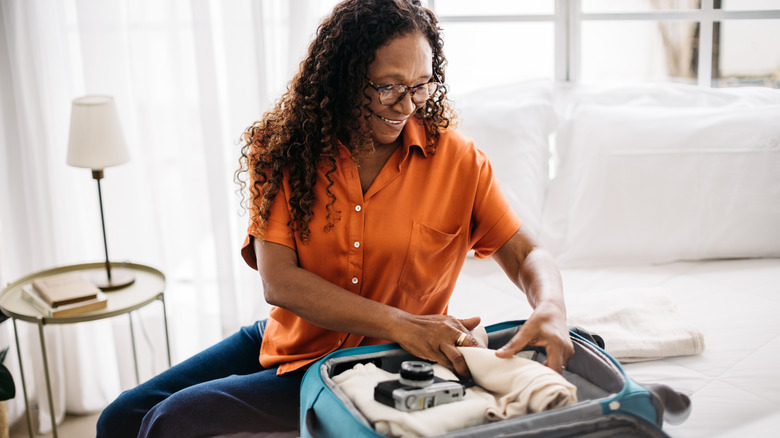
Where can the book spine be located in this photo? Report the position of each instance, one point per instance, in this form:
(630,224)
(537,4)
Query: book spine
(79,308)
(32,297)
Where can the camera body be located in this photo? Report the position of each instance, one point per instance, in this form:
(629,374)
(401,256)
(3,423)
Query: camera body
(417,389)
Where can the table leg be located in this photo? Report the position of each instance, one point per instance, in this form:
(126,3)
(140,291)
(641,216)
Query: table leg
(135,355)
(48,380)
(24,384)
(165,323)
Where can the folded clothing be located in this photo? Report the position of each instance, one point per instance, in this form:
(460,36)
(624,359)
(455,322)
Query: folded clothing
(637,324)
(516,386)
(505,388)
(358,384)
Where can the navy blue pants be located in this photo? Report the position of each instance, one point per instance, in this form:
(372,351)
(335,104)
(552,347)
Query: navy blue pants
(219,391)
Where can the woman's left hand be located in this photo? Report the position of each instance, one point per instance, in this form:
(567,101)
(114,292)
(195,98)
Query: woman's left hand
(546,327)
(533,270)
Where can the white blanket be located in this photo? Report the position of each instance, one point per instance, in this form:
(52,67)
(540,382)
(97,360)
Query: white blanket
(637,324)
(506,388)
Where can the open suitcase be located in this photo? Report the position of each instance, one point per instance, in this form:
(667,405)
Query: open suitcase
(610,404)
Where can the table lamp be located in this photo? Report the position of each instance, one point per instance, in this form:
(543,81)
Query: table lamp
(96,142)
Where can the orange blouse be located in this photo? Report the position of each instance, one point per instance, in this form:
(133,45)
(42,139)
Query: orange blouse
(403,243)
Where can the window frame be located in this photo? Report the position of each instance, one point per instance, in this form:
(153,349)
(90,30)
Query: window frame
(568,18)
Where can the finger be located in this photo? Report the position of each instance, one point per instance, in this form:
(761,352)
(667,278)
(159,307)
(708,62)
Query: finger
(519,341)
(555,359)
(456,360)
(554,362)
(468,341)
(471,323)
(557,356)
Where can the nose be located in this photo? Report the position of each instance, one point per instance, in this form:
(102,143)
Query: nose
(406,105)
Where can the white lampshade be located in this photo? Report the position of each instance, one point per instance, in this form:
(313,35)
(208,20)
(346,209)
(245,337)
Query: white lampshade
(96,140)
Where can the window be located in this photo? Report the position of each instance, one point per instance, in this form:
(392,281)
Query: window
(746,53)
(470,44)
(712,43)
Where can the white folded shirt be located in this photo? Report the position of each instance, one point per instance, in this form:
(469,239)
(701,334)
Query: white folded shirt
(637,324)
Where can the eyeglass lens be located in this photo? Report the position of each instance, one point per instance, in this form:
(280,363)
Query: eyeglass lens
(421,93)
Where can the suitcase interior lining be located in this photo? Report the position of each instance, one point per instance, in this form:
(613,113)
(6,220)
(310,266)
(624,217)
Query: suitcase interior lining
(591,381)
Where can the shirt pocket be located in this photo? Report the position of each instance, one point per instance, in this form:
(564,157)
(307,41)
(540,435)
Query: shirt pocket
(431,258)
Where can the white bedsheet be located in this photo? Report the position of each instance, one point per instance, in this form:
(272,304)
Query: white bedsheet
(734,384)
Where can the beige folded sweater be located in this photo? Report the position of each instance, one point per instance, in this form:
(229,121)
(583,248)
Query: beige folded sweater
(516,386)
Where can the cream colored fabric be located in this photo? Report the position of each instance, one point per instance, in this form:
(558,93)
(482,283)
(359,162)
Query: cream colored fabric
(517,386)
(506,388)
(637,324)
(359,382)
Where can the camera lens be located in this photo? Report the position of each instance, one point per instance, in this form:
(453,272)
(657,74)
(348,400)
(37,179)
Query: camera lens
(416,373)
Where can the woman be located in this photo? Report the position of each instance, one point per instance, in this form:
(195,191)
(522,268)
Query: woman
(364,205)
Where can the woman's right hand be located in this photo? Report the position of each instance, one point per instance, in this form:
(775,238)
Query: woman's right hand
(434,338)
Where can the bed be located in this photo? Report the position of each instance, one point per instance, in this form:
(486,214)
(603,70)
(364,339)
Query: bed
(662,193)
(734,383)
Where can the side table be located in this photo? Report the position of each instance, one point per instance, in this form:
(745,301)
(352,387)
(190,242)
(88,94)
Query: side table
(149,286)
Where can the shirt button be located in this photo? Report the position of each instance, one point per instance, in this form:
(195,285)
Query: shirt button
(357,244)
(358,208)
(354,280)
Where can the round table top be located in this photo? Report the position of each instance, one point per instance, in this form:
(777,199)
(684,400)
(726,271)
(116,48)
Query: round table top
(149,285)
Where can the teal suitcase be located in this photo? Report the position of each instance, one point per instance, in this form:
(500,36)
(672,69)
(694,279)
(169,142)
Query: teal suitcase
(610,404)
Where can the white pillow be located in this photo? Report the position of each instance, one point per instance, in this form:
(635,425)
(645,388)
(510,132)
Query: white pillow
(654,183)
(511,124)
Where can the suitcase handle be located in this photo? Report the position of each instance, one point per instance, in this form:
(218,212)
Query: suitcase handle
(588,336)
(310,417)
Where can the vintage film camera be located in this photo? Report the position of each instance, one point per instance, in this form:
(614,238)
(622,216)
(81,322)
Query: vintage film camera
(417,388)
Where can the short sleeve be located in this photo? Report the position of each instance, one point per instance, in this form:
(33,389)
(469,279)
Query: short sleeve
(493,220)
(277,230)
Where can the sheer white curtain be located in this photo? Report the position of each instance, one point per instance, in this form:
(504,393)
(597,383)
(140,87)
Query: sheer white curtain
(188,77)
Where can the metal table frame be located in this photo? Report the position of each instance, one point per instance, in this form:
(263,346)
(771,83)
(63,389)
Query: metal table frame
(148,287)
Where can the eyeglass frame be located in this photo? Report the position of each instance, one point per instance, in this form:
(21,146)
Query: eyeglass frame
(407,90)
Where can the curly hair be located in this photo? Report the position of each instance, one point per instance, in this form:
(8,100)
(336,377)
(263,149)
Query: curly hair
(323,106)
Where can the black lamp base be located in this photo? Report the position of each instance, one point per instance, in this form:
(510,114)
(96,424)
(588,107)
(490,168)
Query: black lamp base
(119,278)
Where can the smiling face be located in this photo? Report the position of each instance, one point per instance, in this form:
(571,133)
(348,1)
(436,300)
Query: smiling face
(405,60)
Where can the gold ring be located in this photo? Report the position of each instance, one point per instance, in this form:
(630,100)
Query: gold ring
(460,340)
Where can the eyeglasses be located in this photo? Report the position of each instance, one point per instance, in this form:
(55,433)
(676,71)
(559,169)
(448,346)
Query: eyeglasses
(393,93)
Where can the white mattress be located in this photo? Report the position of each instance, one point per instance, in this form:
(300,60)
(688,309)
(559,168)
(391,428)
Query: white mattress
(734,384)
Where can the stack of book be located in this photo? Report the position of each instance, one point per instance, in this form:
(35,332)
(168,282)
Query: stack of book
(65,294)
